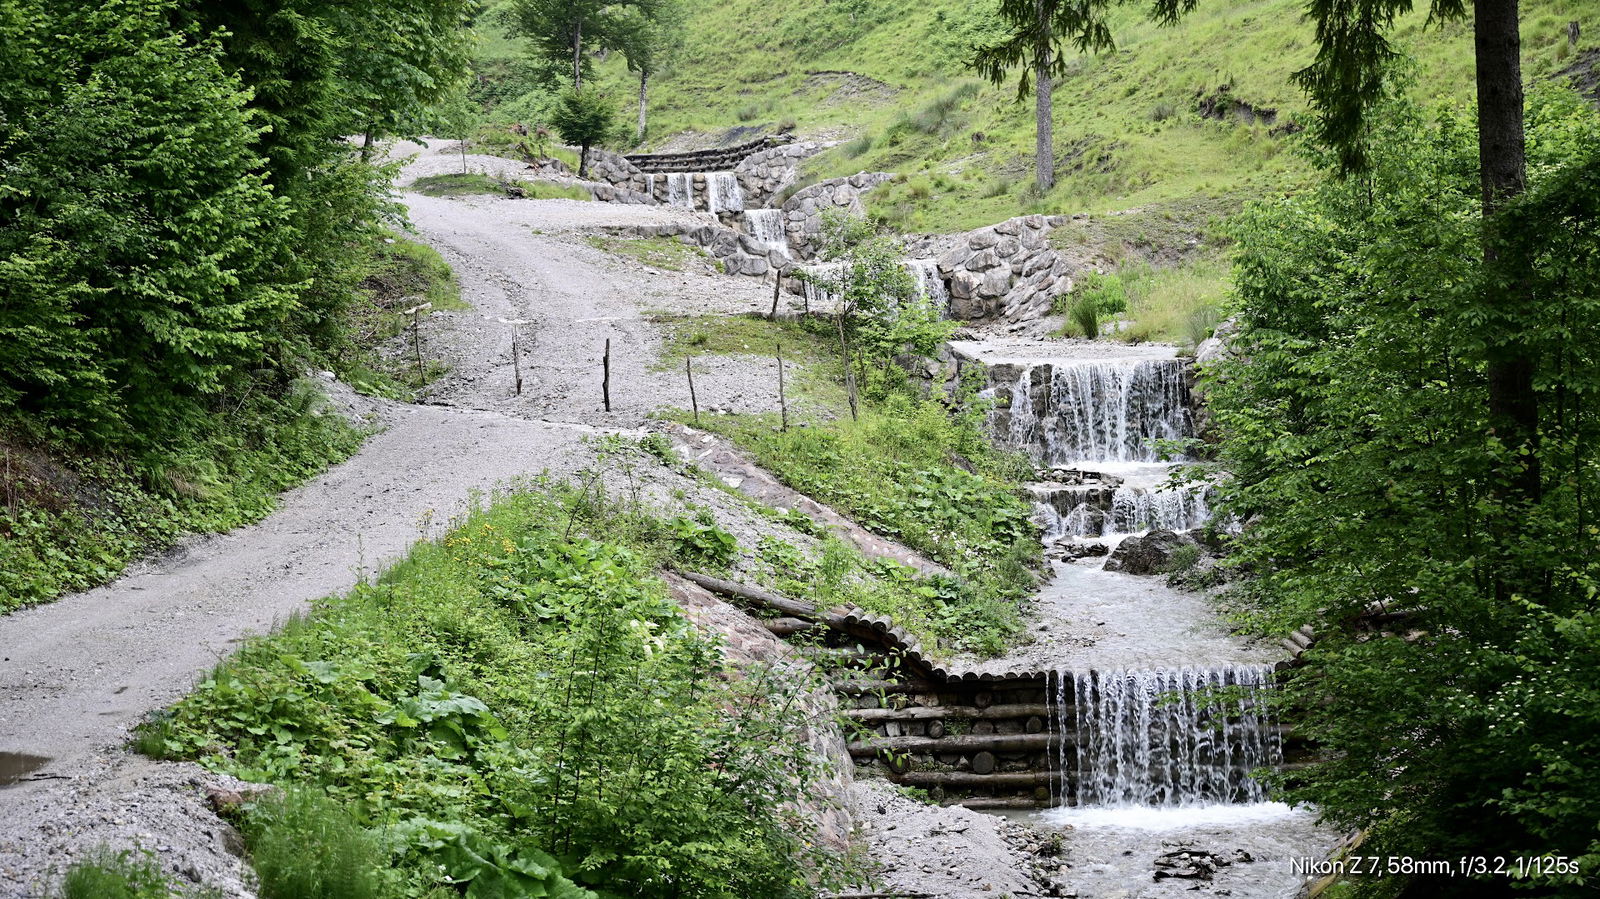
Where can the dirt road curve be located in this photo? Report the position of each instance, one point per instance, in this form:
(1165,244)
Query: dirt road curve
(75,675)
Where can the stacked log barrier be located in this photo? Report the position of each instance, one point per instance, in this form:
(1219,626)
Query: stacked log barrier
(711,160)
(978,737)
(981,737)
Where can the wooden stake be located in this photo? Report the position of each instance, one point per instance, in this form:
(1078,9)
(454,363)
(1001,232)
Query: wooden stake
(516,358)
(688,369)
(777,284)
(416,342)
(416,336)
(849,370)
(783,402)
(605,377)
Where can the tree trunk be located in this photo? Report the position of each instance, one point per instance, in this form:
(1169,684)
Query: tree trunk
(1502,162)
(577,55)
(1044,151)
(583,160)
(366,145)
(644,78)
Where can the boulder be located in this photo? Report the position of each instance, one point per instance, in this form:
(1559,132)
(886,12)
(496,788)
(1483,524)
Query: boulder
(964,284)
(1150,554)
(982,240)
(1218,345)
(983,260)
(996,283)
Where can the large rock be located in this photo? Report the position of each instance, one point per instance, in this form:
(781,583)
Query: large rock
(1219,345)
(1150,554)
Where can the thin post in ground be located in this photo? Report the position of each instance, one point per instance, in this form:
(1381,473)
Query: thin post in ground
(694,404)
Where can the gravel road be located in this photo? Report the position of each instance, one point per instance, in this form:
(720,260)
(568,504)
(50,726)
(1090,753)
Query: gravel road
(76,674)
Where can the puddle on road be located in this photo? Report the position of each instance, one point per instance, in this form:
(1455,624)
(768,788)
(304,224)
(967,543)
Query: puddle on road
(14,766)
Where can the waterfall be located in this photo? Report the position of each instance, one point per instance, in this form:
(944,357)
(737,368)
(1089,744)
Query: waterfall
(926,272)
(723,193)
(1151,738)
(817,295)
(1097,511)
(766,226)
(680,190)
(650,186)
(1099,411)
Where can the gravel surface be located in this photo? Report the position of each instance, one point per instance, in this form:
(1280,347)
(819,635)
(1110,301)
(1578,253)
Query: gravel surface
(76,674)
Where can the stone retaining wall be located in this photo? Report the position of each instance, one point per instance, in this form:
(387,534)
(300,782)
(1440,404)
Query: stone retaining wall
(1008,272)
(802,213)
(763,175)
(738,252)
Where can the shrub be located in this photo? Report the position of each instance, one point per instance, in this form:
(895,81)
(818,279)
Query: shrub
(857,146)
(1084,311)
(105,874)
(303,846)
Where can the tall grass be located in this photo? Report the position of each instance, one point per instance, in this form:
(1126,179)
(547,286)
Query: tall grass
(1180,304)
(303,846)
(107,874)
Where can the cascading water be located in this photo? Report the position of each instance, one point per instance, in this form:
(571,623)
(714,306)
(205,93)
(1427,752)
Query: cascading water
(1098,411)
(766,226)
(926,271)
(1098,511)
(723,193)
(680,190)
(817,294)
(1158,738)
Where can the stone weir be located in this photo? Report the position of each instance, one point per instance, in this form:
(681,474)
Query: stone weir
(1011,738)
(709,160)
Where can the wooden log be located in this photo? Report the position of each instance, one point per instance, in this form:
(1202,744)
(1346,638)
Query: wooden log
(934,712)
(978,803)
(791,607)
(983,763)
(863,687)
(788,627)
(1034,725)
(935,728)
(1020,780)
(966,744)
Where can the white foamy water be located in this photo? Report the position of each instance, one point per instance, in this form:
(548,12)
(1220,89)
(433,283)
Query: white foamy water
(1144,817)
(1098,411)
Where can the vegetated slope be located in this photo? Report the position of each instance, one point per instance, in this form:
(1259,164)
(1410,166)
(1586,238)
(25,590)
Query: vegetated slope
(1173,113)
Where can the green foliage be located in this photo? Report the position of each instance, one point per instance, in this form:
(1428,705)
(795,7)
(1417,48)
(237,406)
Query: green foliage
(1357,433)
(182,231)
(1083,310)
(583,118)
(883,316)
(304,846)
(105,874)
(699,542)
(474,184)
(73,525)
(137,237)
(902,470)
(658,252)
(518,706)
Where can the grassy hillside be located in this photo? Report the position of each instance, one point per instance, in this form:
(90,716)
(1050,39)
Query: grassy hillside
(887,77)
